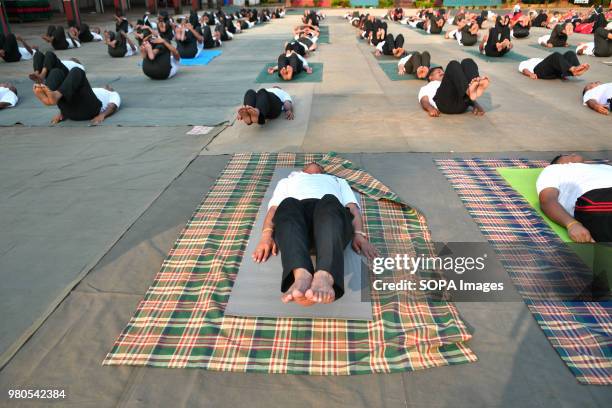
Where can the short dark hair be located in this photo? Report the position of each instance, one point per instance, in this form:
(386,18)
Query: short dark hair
(431,70)
(556,159)
(584,90)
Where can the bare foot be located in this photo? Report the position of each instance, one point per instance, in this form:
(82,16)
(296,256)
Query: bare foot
(483,84)
(253,114)
(297,292)
(36,78)
(243,114)
(52,96)
(580,69)
(40,91)
(472,89)
(322,288)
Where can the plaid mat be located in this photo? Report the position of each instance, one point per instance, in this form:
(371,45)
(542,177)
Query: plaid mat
(181,322)
(581,332)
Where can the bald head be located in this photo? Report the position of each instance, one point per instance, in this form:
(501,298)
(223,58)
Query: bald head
(313,168)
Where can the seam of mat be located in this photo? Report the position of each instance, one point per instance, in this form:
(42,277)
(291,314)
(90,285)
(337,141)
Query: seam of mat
(12,350)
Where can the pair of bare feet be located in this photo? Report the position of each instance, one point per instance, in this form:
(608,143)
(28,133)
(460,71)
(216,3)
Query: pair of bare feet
(46,95)
(248,114)
(580,69)
(309,289)
(477,87)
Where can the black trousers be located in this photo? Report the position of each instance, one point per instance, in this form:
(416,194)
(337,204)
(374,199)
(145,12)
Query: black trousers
(497,34)
(324,225)
(540,20)
(433,27)
(451,95)
(58,35)
(296,46)
(85,34)
(123,25)
(268,104)
(8,43)
(188,48)
(48,60)
(603,46)
(557,37)
(556,65)
(391,43)
(120,48)
(78,101)
(418,59)
(594,211)
(520,31)
(293,61)
(467,38)
(209,41)
(160,67)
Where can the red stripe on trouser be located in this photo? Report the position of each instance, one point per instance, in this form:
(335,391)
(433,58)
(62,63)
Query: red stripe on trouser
(586,207)
(593,209)
(593,202)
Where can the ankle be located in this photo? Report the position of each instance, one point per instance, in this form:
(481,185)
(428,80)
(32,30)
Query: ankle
(301,273)
(321,274)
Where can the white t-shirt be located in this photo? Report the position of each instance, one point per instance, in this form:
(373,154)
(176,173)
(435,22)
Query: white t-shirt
(107,97)
(25,54)
(173,66)
(282,95)
(430,90)
(8,96)
(529,64)
(573,180)
(72,43)
(96,36)
(129,51)
(587,48)
(404,60)
(380,46)
(71,65)
(602,94)
(543,40)
(301,186)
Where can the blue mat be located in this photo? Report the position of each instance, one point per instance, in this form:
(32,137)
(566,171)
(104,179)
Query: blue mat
(203,59)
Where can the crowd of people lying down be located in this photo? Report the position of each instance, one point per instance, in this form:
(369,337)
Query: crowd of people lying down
(456,88)
(161,42)
(268,103)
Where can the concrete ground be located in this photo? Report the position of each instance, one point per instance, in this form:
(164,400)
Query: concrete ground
(99,208)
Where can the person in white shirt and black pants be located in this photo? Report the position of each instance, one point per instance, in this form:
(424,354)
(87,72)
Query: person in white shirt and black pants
(312,210)
(578,196)
(453,90)
(265,104)
(75,98)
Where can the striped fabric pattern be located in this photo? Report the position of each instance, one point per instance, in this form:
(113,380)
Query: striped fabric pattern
(581,332)
(181,322)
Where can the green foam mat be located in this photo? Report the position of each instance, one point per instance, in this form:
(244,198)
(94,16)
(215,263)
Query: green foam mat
(323,35)
(524,182)
(390,68)
(553,49)
(423,32)
(317,75)
(511,56)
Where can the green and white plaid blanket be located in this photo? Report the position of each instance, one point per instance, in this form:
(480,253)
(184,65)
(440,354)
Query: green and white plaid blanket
(181,321)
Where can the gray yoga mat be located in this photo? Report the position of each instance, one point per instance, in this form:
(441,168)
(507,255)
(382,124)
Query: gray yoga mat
(144,102)
(256,291)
